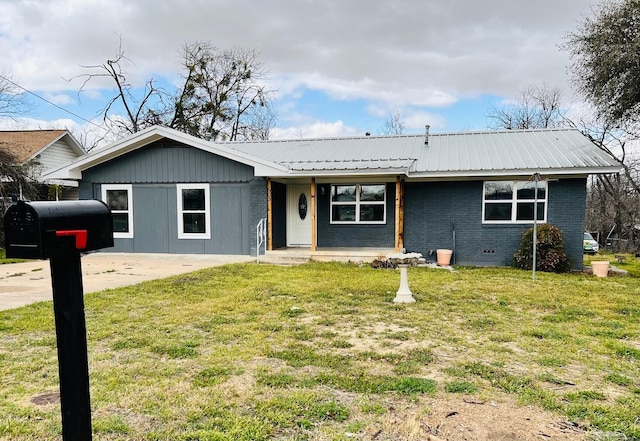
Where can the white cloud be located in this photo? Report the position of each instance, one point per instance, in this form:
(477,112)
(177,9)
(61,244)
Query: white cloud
(59,99)
(418,119)
(397,53)
(315,130)
(36,124)
(87,134)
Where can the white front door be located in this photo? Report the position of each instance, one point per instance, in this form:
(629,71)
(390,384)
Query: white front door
(299,215)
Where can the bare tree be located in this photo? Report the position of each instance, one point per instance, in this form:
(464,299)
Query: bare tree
(613,199)
(605,53)
(139,112)
(393,125)
(12,98)
(16,180)
(259,122)
(222,94)
(537,107)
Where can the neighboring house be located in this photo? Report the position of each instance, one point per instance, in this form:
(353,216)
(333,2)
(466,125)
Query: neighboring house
(470,192)
(44,151)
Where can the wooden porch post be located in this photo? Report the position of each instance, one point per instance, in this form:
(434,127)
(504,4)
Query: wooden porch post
(269,216)
(313,214)
(397,229)
(399,243)
(401,213)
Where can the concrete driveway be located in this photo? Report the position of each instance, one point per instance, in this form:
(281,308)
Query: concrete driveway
(30,282)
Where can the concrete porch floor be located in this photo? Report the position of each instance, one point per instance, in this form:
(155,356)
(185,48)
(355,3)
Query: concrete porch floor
(304,254)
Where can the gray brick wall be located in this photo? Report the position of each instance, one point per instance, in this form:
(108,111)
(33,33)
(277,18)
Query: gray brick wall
(568,198)
(436,212)
(363,235)
(257,208)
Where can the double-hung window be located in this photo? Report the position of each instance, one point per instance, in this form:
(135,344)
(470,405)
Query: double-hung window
(194,211)
(514,201)
(358,203)
(119,199)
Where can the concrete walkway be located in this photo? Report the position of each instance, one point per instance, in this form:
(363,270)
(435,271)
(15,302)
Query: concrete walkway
(30,282)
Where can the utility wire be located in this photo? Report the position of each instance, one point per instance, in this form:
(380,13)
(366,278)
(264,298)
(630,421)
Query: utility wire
(53,104)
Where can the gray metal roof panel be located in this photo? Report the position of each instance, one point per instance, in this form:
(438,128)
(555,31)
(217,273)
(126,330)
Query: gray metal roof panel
(489,151)
(371,164)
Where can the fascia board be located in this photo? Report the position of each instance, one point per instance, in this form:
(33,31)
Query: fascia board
(337,173)
(140,139)
(517,172)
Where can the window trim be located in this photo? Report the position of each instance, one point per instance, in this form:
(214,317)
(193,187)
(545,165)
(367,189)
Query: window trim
(357,204)
(514,203)
(207,211)
(129,188)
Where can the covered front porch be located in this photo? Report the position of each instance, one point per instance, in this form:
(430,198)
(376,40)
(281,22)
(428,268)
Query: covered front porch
(296,255)
(329,219)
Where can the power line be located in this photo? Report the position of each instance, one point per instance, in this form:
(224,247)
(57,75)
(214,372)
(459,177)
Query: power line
(53,104)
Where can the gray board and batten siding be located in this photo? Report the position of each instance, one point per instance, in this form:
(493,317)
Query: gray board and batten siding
(238,199)
(435,210)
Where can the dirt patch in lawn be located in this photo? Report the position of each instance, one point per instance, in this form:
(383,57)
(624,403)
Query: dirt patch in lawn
(470,419)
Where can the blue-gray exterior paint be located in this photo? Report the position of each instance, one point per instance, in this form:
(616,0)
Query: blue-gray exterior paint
(434,210)
(237,198)
(239,201)
(168,161)
(356,235)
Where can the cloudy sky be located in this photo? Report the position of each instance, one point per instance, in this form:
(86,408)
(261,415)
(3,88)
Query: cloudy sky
(339,67)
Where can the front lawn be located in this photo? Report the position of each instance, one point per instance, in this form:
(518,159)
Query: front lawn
(320,351)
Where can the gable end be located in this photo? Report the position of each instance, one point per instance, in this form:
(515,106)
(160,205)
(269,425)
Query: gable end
(167,161)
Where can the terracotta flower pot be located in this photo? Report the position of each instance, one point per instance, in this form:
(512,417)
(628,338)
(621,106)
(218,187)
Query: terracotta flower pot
(600,268)
(444,257)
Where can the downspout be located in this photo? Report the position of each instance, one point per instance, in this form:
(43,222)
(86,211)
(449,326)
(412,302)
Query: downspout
(454,243)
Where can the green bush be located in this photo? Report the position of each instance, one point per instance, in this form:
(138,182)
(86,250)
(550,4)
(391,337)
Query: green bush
(550,253)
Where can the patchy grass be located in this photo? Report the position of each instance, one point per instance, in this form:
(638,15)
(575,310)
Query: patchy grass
(320,351)
(4,260)
(629,264)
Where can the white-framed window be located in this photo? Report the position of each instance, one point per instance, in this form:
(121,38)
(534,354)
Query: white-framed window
(358,203)
(194,211)
(119,199)
(513,202)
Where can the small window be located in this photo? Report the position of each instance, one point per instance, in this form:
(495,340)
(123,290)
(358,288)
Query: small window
(514,201)
(193,211)
(119,199)
(358,203)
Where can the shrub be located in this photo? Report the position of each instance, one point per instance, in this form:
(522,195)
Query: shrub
(550,253)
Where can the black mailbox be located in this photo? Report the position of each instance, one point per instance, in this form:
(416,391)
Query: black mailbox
(61,231)
(43,229)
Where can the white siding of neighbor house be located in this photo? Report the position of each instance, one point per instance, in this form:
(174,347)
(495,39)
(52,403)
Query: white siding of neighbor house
(56,155)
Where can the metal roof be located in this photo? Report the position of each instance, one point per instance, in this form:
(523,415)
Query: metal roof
(446,154)
(454,155)
(334,153)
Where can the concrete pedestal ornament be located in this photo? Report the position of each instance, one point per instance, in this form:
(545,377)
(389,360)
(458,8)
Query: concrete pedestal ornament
(404,261)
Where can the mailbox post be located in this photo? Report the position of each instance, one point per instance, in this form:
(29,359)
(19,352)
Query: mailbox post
(60,231)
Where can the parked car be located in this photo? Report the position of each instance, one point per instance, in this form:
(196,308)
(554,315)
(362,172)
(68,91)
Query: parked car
(589,245)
